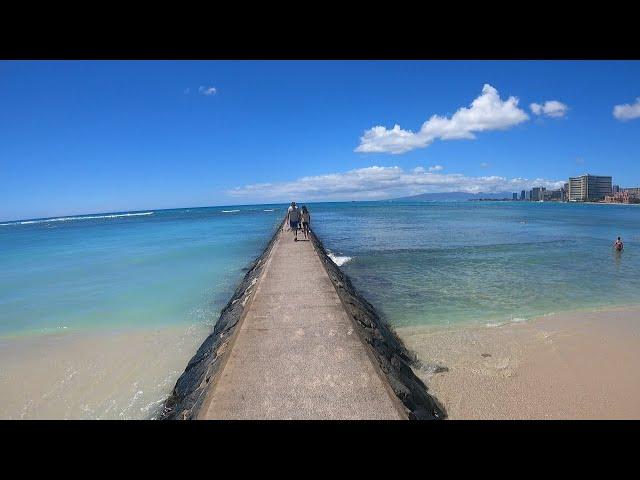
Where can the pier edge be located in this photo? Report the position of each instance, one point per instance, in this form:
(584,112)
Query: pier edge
(392,357)
(389,353)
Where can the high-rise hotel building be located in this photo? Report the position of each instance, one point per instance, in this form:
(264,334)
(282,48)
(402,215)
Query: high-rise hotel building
(587,188)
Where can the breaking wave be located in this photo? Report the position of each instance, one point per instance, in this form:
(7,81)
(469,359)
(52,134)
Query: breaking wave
(338,260)
(85,217)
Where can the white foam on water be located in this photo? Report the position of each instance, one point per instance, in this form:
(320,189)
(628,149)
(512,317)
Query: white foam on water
(338,260)
(509,322)
(230,211)
(269,210)
(85,217)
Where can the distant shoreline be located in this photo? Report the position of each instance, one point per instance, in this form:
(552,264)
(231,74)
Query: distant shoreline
(150,211)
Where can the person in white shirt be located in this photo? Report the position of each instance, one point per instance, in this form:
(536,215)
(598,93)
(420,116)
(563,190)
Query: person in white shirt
(293,217)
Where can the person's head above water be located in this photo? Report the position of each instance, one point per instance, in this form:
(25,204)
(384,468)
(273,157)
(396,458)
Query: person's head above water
(618,238)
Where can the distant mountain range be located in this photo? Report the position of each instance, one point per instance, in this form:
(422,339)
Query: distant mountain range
(453,196)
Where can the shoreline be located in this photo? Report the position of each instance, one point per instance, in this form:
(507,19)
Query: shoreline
(571,365)
(95,330)
(94,374)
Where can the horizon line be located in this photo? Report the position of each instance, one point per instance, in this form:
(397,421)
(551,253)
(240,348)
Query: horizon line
(14,220)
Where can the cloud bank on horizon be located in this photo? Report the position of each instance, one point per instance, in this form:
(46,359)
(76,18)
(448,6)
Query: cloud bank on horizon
(375,183)
(487,112)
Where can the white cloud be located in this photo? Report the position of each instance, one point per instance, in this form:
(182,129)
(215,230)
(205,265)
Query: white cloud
(382,182)
(550,108)
(436,168)
(487,112)
(627,111)
(208,90)
(484,165)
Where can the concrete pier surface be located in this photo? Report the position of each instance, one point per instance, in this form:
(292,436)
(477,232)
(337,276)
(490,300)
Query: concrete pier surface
(295,353)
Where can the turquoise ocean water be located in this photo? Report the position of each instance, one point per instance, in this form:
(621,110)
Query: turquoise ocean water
(139,269)
(420,264)
(448,263)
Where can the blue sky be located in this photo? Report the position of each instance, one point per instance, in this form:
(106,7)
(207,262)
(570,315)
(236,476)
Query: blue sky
(84,137)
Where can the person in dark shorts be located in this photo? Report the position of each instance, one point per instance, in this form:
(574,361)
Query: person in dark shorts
(305,220)
(293,217)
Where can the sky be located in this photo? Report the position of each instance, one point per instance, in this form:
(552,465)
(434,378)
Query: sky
(102,136)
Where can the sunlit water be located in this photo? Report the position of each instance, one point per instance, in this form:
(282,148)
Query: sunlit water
(99,314)
(448,263)
(160,277)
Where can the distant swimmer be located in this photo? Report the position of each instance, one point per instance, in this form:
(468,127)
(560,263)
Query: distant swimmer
(618,245)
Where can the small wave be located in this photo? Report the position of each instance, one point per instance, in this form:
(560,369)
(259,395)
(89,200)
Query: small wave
(269,210)
(498,324)
(509,322)
(230,211)
(338,260)
(85,217)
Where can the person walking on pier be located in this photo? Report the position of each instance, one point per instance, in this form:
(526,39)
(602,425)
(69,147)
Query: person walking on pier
(305,219)
(293,217)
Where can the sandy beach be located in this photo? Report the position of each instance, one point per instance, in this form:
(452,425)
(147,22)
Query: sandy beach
(123,374)
(579,365)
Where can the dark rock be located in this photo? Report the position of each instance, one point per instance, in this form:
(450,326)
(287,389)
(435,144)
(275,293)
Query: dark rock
(433,369)
(485,355)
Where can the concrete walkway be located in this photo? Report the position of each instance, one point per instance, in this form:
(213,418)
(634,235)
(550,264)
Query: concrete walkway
(296,354)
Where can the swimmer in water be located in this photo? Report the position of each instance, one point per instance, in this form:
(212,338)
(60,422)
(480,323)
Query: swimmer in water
(618,245)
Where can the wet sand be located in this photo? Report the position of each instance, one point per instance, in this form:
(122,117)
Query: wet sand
(568,366)
(123,374)
(579,365)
